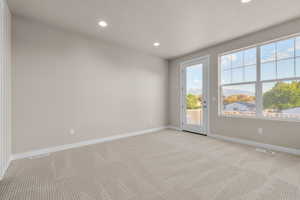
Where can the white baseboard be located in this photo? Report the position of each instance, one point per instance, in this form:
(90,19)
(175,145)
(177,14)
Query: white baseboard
(250,143)
(174,128)
(257,144)
(6,167)
(116,137)
(80,144)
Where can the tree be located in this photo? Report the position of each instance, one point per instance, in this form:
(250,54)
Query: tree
(282,96)
(193,101)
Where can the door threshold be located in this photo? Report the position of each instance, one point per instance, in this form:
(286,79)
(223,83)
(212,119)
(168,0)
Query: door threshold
(197,133)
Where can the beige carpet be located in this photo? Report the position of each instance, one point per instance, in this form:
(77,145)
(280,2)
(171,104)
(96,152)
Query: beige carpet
(167,165)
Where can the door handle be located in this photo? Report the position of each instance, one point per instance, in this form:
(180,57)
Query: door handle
(204,104)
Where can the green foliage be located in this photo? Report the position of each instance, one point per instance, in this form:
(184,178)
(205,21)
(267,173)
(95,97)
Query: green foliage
(282,96)
(193,101)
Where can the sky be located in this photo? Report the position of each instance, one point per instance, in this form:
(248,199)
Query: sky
(194,77)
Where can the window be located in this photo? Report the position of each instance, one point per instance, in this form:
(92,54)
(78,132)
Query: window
(278,60)
(281,99)
(239,67)
(238,83)
(263,81)
(239,99)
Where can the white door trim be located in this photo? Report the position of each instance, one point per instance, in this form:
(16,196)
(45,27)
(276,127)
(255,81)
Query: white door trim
(182,104)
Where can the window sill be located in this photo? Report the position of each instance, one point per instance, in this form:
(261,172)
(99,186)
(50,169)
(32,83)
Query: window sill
(258,118)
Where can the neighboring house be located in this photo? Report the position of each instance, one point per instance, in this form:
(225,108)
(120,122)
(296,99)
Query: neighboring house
(240,106)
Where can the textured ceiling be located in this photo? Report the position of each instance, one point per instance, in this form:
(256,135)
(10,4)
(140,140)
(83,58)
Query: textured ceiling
(181,26)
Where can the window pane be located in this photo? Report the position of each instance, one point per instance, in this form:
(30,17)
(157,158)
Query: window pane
(268,71)
(226,77)
(238,75)
(250,57)
(298,46)
(237,59)
(281,99)
(250,73)
(298,67)
(194,83)
(267,52)
(285,49)
(225,62)
(239,100)
(285,68)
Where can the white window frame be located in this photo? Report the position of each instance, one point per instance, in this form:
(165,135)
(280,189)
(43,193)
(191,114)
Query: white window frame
(258,83)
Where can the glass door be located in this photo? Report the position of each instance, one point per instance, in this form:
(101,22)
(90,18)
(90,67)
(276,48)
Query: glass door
(194,96)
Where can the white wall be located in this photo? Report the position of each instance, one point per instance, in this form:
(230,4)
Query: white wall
(5,87)
(286,134)
(63,80)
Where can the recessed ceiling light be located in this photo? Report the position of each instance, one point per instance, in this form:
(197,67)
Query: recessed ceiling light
(103,24)
(156,44)
(246,1)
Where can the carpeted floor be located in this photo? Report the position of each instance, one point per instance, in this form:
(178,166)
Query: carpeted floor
(166,165)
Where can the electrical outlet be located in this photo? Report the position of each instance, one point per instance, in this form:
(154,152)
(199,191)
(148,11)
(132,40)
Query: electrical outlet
(72,131)
(260,131)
